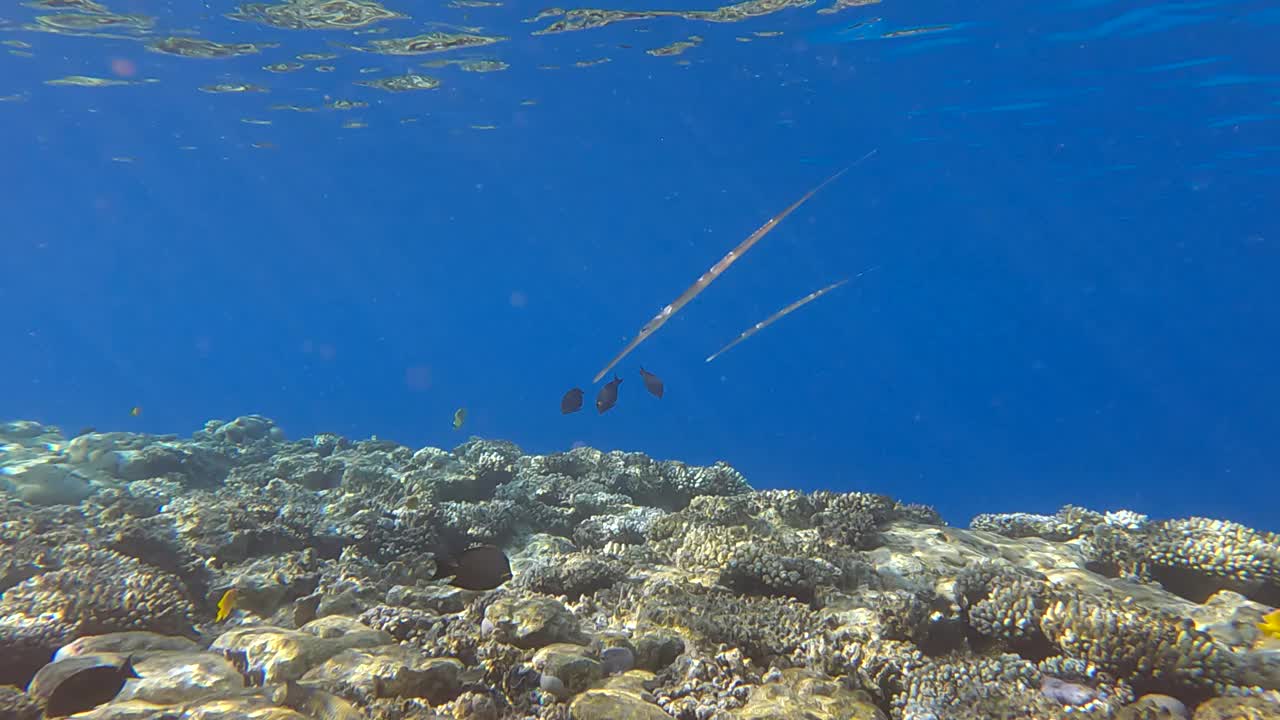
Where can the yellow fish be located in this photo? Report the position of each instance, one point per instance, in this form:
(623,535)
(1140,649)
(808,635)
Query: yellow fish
(226,604)
(136,411)
(458,416)
(1270,625)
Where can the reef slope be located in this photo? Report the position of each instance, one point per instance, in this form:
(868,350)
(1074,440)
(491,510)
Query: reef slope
(640,589)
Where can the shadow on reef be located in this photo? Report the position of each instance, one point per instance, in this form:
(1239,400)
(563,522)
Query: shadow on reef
(638,589)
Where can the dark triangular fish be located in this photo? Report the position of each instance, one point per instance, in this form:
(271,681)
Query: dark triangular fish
(480,567)
(651,382)
(571,402)
(608,395)
(80,683)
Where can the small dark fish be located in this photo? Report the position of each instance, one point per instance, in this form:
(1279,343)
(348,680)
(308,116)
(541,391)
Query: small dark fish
(480,567)
(652,382)
(80,683)
(608,395)
(571,402)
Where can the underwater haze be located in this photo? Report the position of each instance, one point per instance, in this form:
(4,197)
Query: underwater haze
(1059,223)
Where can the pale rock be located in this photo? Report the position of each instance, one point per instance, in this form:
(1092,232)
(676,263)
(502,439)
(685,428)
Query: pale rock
(571,664)
(275,654)
(620,698)
(532,622)
(800,694)
(389,671)
(171,677)
(46,483)
(139,643)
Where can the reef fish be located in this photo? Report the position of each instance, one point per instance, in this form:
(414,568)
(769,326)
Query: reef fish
(571,402)
(608,395)
(1270,625)
(80,683)
(652,382)
(459,417)
(781,314)
(479,567)
(716,270)
(226,604)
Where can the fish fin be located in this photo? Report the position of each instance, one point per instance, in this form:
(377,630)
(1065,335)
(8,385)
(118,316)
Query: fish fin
(445,569)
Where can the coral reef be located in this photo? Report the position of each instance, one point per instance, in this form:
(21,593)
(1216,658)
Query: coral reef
(641,589)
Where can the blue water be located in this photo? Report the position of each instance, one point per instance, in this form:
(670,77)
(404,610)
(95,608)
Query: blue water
(1071,209)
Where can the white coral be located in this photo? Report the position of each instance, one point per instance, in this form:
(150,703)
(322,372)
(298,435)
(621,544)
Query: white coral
(1127,519)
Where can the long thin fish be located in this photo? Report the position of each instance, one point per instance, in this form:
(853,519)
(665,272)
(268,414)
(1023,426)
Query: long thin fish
(783,312)
(716,270)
